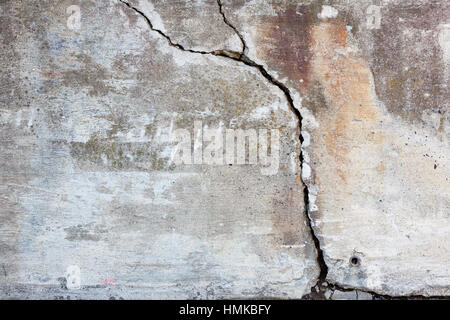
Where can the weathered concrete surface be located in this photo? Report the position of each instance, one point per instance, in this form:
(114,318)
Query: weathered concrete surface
(195,25)
(88,182)
(373,93)
(88,188)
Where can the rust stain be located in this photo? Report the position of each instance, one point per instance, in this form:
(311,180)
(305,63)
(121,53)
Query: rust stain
(299,180)
(346,81)
(285,40)
(381,168)
(333,78)
(49,74)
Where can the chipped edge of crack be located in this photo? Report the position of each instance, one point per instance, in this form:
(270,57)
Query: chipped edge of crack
(377,296)
(241,57)
(228,23)
(322,284)
(223,53)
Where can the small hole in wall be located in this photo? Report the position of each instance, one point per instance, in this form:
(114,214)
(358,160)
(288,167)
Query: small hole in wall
(354,261)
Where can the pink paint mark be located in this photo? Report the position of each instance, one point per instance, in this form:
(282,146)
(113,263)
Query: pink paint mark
(109,280)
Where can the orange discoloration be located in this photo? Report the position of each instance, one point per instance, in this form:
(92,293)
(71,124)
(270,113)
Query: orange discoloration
(285,41)
(381,168)
(335,81)
(49,75)
(299,180)
(347,85)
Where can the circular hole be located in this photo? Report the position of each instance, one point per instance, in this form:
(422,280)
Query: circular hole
(354,261)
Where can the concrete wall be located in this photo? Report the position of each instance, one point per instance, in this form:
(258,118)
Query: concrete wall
(118,179)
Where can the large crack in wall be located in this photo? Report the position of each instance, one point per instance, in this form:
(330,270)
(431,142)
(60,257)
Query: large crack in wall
(241,57)
(289,39)
(324,288)
(324,76)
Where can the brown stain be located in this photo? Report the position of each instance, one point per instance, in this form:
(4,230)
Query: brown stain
(92,76)
(333,78)
(298,178)
(346,81)
(49,74)
(284,41)
(341,87)
(381,168)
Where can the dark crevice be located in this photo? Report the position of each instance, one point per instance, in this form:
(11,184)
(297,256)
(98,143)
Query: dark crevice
(320,256)
(173,44)
(223,53)
(322,285)
(228,23)
(320,294)
(377,296)
(241,57)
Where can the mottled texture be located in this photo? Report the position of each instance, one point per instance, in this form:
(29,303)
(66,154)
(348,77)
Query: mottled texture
(89,185)
(374,100)
(195,25)
(87,179)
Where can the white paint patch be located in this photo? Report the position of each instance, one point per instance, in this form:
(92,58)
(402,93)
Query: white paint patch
(312,203)
(149,10)
(444,42)
(293,163)
(328,12)
(313,192)
(306,171)
(261,113)
(182,58)
(306,139)
(206,112)
(73,277)
(306,157)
